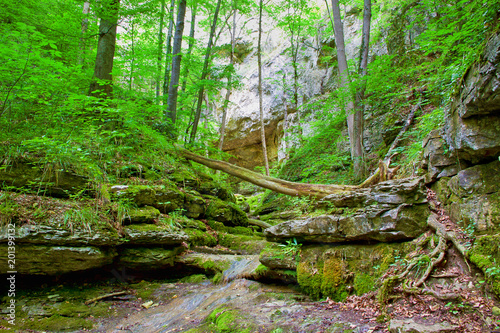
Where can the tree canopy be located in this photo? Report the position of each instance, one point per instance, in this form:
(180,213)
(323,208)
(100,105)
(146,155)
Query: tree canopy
(52,78)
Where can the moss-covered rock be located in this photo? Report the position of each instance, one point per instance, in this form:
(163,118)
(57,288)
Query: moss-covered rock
(57,323)
(472,197)
(44,178)
(216,190)
(210,264)
(54,260)
(152,234)
(190,223)
(284,276)
(146,214)
(336,272)
(63,235)
(278,256)
(194,206)
(485,254)
(166,198)
(226,212)
(195,278)
(227,320)
(200,238)
(242,203)
(242,243)
(148,258)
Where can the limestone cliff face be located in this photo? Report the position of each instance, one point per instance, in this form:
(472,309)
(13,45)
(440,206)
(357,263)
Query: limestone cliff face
(243,138)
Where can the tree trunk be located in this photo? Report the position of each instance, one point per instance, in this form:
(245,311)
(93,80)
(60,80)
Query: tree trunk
(101,85)
(204,74)
(355,136)
(286,187)
(190,44)
(168,52)
(229,80)
(132,60)
(160,52)
(259,59)
(274,184)
(360,94)
(285,120)
(176,64)
(85,25)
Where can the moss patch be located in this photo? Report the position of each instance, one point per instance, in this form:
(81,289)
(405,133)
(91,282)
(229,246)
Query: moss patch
(226,320)
(333,284)
(57,323)
(485,253)
(335,272)
(310,278)
(200,238)
(226,212)
(195,278)
(145,289)
(242,243)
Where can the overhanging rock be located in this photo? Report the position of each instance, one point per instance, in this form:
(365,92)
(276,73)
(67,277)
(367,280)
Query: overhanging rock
(390,211)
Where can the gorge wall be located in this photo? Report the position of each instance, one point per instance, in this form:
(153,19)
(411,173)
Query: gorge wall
(316,78)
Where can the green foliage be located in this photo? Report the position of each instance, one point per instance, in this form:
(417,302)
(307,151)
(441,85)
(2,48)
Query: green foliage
(85,218)
(412,152)
(323,152)
(292,247)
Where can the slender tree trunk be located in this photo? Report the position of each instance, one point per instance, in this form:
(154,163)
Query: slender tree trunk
(204,74)
(168,52)
(360,94)
(102,86)
(229,79)
(355,137)
(294,42)
(160,52)
(176,64)
(190,45)
(261,111)
(85,26)
(285,122)
(132,60)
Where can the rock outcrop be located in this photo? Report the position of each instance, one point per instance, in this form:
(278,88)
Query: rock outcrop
(390,211)
(473,118)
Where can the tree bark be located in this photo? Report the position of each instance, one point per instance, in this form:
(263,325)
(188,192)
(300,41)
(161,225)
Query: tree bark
(85,25)
(160,52)
(168,51)
(274,184)
(204,74)
(261,111)
(101,85)
(176,64)
(360,94)
(355,137)
(190,44)
(132,60)
(229,80)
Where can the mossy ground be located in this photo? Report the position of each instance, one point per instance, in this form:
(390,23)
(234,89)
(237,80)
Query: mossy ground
(60,308)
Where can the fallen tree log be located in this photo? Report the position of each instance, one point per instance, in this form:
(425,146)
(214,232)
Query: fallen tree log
(273,184)
(383,172)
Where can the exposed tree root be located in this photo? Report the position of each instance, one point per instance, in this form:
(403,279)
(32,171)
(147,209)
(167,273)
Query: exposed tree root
(409,279)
